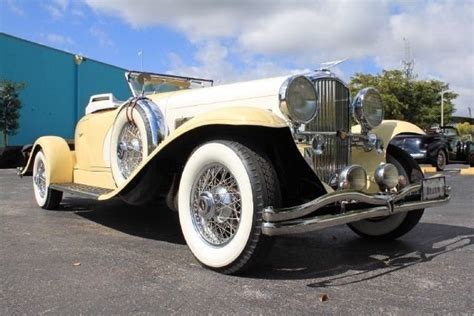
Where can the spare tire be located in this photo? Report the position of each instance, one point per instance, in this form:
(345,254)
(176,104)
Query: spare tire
(138,128)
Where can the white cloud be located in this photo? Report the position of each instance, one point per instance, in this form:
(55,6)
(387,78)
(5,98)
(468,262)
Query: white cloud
(442,42)
(308,32)
(15,7)
(212,61)
(62,4)
(57,39)
(56,8)
(101,36)
(77,12)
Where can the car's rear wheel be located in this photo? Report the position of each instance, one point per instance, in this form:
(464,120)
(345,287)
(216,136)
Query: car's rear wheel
(223,190)
(45,197)
(393,226)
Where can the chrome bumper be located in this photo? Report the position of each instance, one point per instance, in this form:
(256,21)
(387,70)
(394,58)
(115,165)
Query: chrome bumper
(294,220)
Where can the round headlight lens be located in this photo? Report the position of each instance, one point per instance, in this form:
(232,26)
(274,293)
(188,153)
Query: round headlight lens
(368,108)
(298,99)
(386,175)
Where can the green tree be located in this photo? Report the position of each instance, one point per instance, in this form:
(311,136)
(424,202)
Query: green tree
(408,99)
(465,128)
(10,106)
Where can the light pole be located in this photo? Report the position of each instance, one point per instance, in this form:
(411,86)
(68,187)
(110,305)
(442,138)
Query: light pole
(140,54)
(442,106)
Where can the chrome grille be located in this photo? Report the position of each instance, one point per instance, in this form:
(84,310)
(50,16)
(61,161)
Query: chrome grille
(333,116)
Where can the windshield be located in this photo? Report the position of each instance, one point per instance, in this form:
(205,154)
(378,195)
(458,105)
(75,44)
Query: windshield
(412,145)
(150,83)
(448,131)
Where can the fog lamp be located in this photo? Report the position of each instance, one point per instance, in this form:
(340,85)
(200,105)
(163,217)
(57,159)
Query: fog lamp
(387,176)
(402,181)
(353,177)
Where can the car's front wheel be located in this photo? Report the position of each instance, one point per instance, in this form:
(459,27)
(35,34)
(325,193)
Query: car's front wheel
(396,225)
(223,189)
(45,197)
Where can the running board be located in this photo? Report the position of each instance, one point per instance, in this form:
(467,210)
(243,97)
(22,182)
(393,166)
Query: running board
(80,189)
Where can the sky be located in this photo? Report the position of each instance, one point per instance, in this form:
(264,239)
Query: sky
(235,40)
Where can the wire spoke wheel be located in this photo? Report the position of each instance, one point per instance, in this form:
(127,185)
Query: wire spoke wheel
(441,160)
(45,197)
(216,205)
(129,149)
(40,178)
(223,189)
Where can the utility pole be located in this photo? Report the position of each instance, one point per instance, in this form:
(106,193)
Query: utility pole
(469,109)
(442,106)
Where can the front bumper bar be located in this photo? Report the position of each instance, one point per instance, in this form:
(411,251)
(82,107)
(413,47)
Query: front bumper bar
(294,220)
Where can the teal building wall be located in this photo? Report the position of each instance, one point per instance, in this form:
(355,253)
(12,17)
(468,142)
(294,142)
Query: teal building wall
(57,87)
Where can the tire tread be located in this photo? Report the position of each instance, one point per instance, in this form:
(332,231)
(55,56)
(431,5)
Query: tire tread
(266,192)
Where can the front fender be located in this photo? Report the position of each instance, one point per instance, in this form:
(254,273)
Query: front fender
(232,116)
(59,159)
(391,128)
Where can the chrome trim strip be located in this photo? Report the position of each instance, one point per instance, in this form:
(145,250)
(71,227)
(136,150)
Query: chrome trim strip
(324,221)
(418,155)
(156,120)
(271,215)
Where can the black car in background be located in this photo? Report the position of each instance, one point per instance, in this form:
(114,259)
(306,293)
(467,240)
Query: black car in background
(437,148)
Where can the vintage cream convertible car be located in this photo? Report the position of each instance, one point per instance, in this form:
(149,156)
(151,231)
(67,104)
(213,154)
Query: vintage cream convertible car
(242,162)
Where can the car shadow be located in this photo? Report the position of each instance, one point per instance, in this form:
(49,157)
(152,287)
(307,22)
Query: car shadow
(333,256)
(337,257)
(155,222)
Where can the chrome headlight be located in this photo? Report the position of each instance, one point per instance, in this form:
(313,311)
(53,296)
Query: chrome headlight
(368,108)
(387,176)
(298,99)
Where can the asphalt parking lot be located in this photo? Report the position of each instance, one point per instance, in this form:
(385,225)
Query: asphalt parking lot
(109,258)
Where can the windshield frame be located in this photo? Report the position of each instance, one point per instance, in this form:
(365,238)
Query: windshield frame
(138,80)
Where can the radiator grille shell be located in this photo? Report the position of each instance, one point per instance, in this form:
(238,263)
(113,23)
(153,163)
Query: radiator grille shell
(334,115)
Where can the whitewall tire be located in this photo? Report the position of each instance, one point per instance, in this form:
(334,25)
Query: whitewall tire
(45,197)
(130,142)
(223,190)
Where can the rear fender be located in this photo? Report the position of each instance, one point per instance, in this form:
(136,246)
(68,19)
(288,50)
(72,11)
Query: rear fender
(59,159)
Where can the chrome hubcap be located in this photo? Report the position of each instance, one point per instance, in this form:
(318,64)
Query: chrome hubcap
(40,178)
(216,205)
(129,149)
(440,159)
(206,205)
